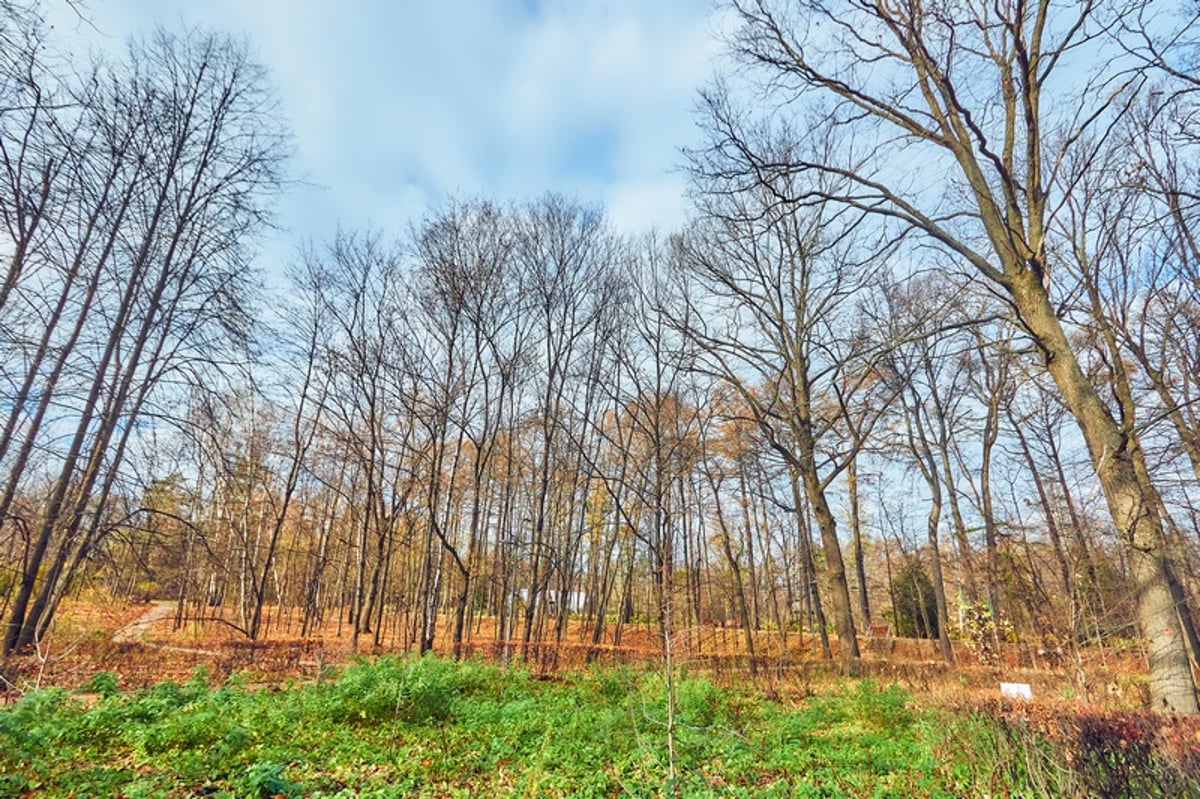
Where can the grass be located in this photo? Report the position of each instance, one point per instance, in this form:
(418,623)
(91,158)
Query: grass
(430,727)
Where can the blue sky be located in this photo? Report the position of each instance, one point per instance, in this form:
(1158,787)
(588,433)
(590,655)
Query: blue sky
(397,105)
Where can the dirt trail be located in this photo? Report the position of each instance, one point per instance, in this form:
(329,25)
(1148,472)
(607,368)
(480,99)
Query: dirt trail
(135,632)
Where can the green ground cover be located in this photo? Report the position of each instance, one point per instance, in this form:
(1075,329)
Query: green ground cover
(431,727)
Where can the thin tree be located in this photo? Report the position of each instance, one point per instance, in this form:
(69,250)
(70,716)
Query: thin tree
(209,157)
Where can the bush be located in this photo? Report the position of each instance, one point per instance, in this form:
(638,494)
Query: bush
(1037,751)
(1135,753)
(394,689)
(916,603)
(36,723)
(103,683)
(700,703)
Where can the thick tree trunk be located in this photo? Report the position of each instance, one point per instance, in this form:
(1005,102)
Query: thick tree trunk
(1134,505)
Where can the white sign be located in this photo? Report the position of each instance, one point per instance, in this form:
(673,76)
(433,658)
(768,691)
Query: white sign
(1016,690)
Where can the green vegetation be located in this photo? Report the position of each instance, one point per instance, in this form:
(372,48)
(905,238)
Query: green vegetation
(431,727)
(915,611)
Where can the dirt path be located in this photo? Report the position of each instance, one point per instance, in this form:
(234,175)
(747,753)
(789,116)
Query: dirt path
(136,630)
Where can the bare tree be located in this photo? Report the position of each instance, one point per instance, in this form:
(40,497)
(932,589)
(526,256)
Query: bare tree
(662,448)
(980,94)
(355,288)
(564,251)
(186,129)
(771,315)
(469,295)
(928,375)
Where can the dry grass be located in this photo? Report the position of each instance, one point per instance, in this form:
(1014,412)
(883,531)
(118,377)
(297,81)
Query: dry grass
(81,645)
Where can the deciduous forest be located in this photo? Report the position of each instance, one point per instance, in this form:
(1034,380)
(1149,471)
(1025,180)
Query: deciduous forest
(925,358)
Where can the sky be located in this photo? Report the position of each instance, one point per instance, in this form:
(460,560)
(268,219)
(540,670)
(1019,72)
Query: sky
(396,106)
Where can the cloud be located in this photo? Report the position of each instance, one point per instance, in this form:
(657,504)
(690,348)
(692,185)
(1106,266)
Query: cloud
(641,205)
(395,106)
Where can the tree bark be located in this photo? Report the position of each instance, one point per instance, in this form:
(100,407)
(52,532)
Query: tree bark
(1133,504)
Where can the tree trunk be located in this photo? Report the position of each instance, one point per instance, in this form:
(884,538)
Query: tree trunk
(864,603)
(1133,504)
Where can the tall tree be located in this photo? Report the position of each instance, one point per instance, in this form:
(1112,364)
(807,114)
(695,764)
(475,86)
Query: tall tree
(928,375)
(186,126)
(995,97)
(565,253)
(775,286)
(469,291)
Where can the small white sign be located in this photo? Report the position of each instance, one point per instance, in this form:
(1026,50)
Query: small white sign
(1016,690)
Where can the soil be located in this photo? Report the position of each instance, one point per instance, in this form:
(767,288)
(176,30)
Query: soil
(136,630)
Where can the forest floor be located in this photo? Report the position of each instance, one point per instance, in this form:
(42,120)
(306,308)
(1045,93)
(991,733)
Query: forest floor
(139,644)
(120,700)
(434,727)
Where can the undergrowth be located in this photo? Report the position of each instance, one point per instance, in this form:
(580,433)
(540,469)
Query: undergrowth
(430,727)
(1035,751)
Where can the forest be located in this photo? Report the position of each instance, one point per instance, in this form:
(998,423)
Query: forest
(926,356)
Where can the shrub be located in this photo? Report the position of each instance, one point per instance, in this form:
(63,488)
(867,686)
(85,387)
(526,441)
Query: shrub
(35,724)
(1135,753)
(916,604)
(700,703)
(393,689)
(1038,751)
(103,683)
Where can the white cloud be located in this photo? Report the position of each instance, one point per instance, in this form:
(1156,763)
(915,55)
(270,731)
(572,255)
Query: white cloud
(639,206)
(396,105)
